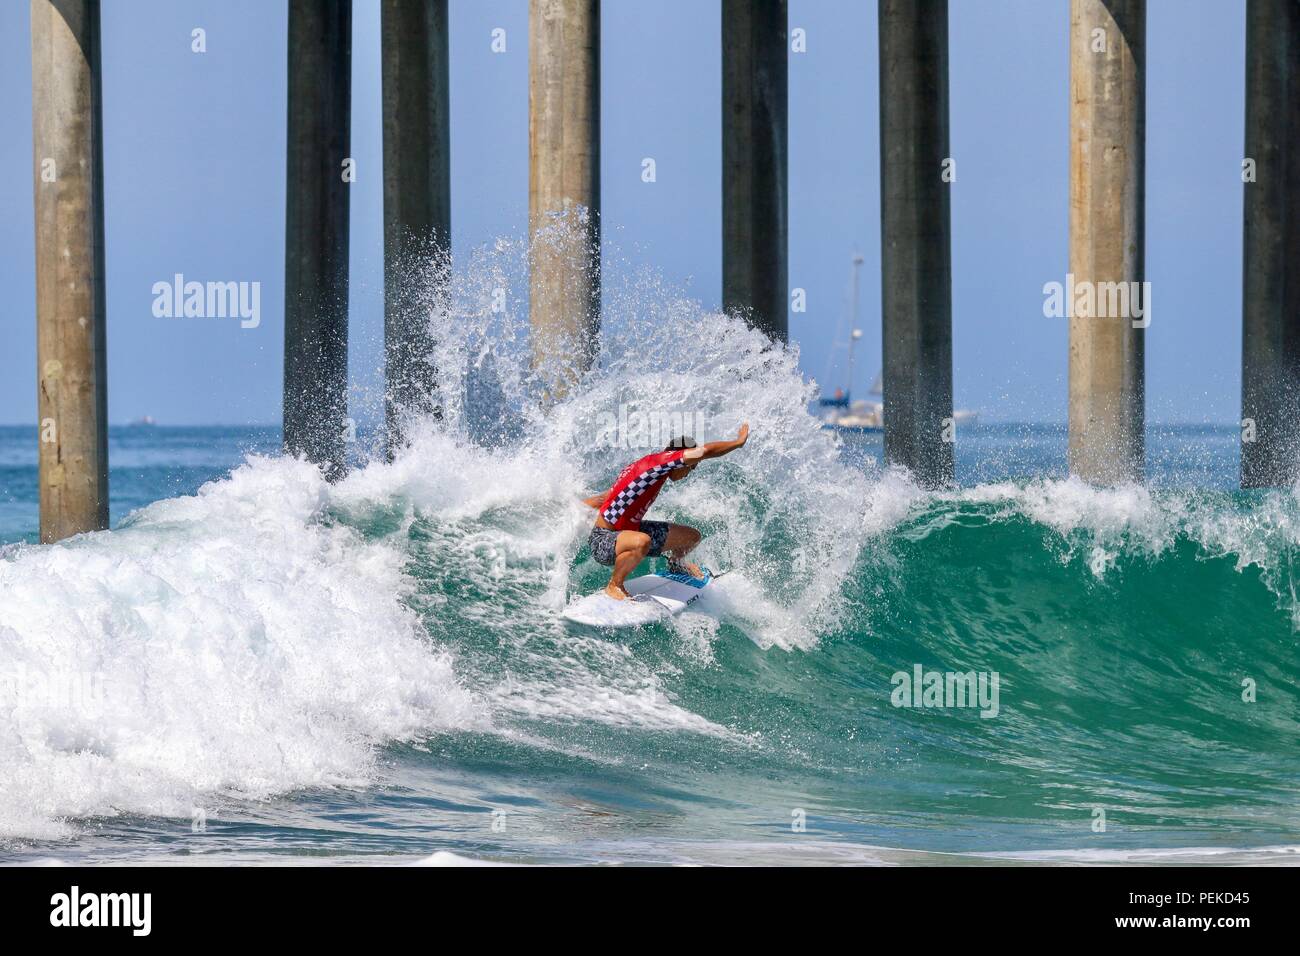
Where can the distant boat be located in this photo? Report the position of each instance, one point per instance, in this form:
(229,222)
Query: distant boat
(842,413)
(144,421)
(866,416)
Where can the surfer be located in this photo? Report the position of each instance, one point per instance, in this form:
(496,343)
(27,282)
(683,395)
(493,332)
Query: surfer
(621,539)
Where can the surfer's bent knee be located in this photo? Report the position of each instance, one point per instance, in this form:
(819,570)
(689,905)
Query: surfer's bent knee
(650,541)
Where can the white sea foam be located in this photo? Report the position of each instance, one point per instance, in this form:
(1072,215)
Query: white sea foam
(1281,855)
(250,640)
(231,643)
(498,530)
(785,512)
(1100,526)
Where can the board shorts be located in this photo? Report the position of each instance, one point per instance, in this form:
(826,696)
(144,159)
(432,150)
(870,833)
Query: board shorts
(602,540)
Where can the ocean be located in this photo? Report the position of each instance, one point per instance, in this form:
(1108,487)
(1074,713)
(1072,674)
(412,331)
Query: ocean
(254,665)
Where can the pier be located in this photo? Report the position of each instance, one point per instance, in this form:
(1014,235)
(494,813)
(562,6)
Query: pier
(915,238)
(564,189)
(755,162)
(1270,294)
(1107,130)
(316,233)
(1107,236)
(68,177)
(417,202)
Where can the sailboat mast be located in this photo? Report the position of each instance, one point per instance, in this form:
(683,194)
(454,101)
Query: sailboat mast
(854,332)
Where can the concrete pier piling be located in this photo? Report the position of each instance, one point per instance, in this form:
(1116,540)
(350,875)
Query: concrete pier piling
(316,232)
(1270,352)
(564,189)
(755,160)
(67,140)
(916,256)
(417,202)
(1107,394)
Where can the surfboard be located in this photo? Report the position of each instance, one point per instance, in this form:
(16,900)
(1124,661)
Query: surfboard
(653,597)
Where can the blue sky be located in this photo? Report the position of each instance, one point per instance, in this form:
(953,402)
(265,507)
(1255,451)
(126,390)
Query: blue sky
(194,180)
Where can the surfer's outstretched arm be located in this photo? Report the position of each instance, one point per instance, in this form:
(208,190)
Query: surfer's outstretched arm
(595,501)
(716,449)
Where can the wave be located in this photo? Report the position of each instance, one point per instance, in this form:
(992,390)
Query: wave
(233,643)
(274,633)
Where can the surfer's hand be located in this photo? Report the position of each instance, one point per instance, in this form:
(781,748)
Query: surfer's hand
(716,449)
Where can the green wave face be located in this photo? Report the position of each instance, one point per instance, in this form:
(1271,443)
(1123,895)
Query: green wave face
(1143,647)
(1143,641)
(1125,690)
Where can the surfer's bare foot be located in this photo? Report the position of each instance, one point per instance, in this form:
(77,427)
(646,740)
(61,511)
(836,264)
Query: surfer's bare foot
(692,569)
(616,592)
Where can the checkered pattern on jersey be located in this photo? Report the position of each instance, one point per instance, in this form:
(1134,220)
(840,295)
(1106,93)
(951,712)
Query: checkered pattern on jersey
(628,496)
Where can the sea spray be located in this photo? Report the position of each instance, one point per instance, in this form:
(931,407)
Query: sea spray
(242,645)
(784,514)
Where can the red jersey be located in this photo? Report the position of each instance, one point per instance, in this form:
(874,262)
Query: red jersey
(637,487)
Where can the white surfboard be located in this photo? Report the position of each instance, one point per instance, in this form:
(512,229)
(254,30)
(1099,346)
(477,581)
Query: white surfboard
(653,598)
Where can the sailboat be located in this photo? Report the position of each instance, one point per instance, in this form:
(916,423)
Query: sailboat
(841,412)
(866,416)
(844,414)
